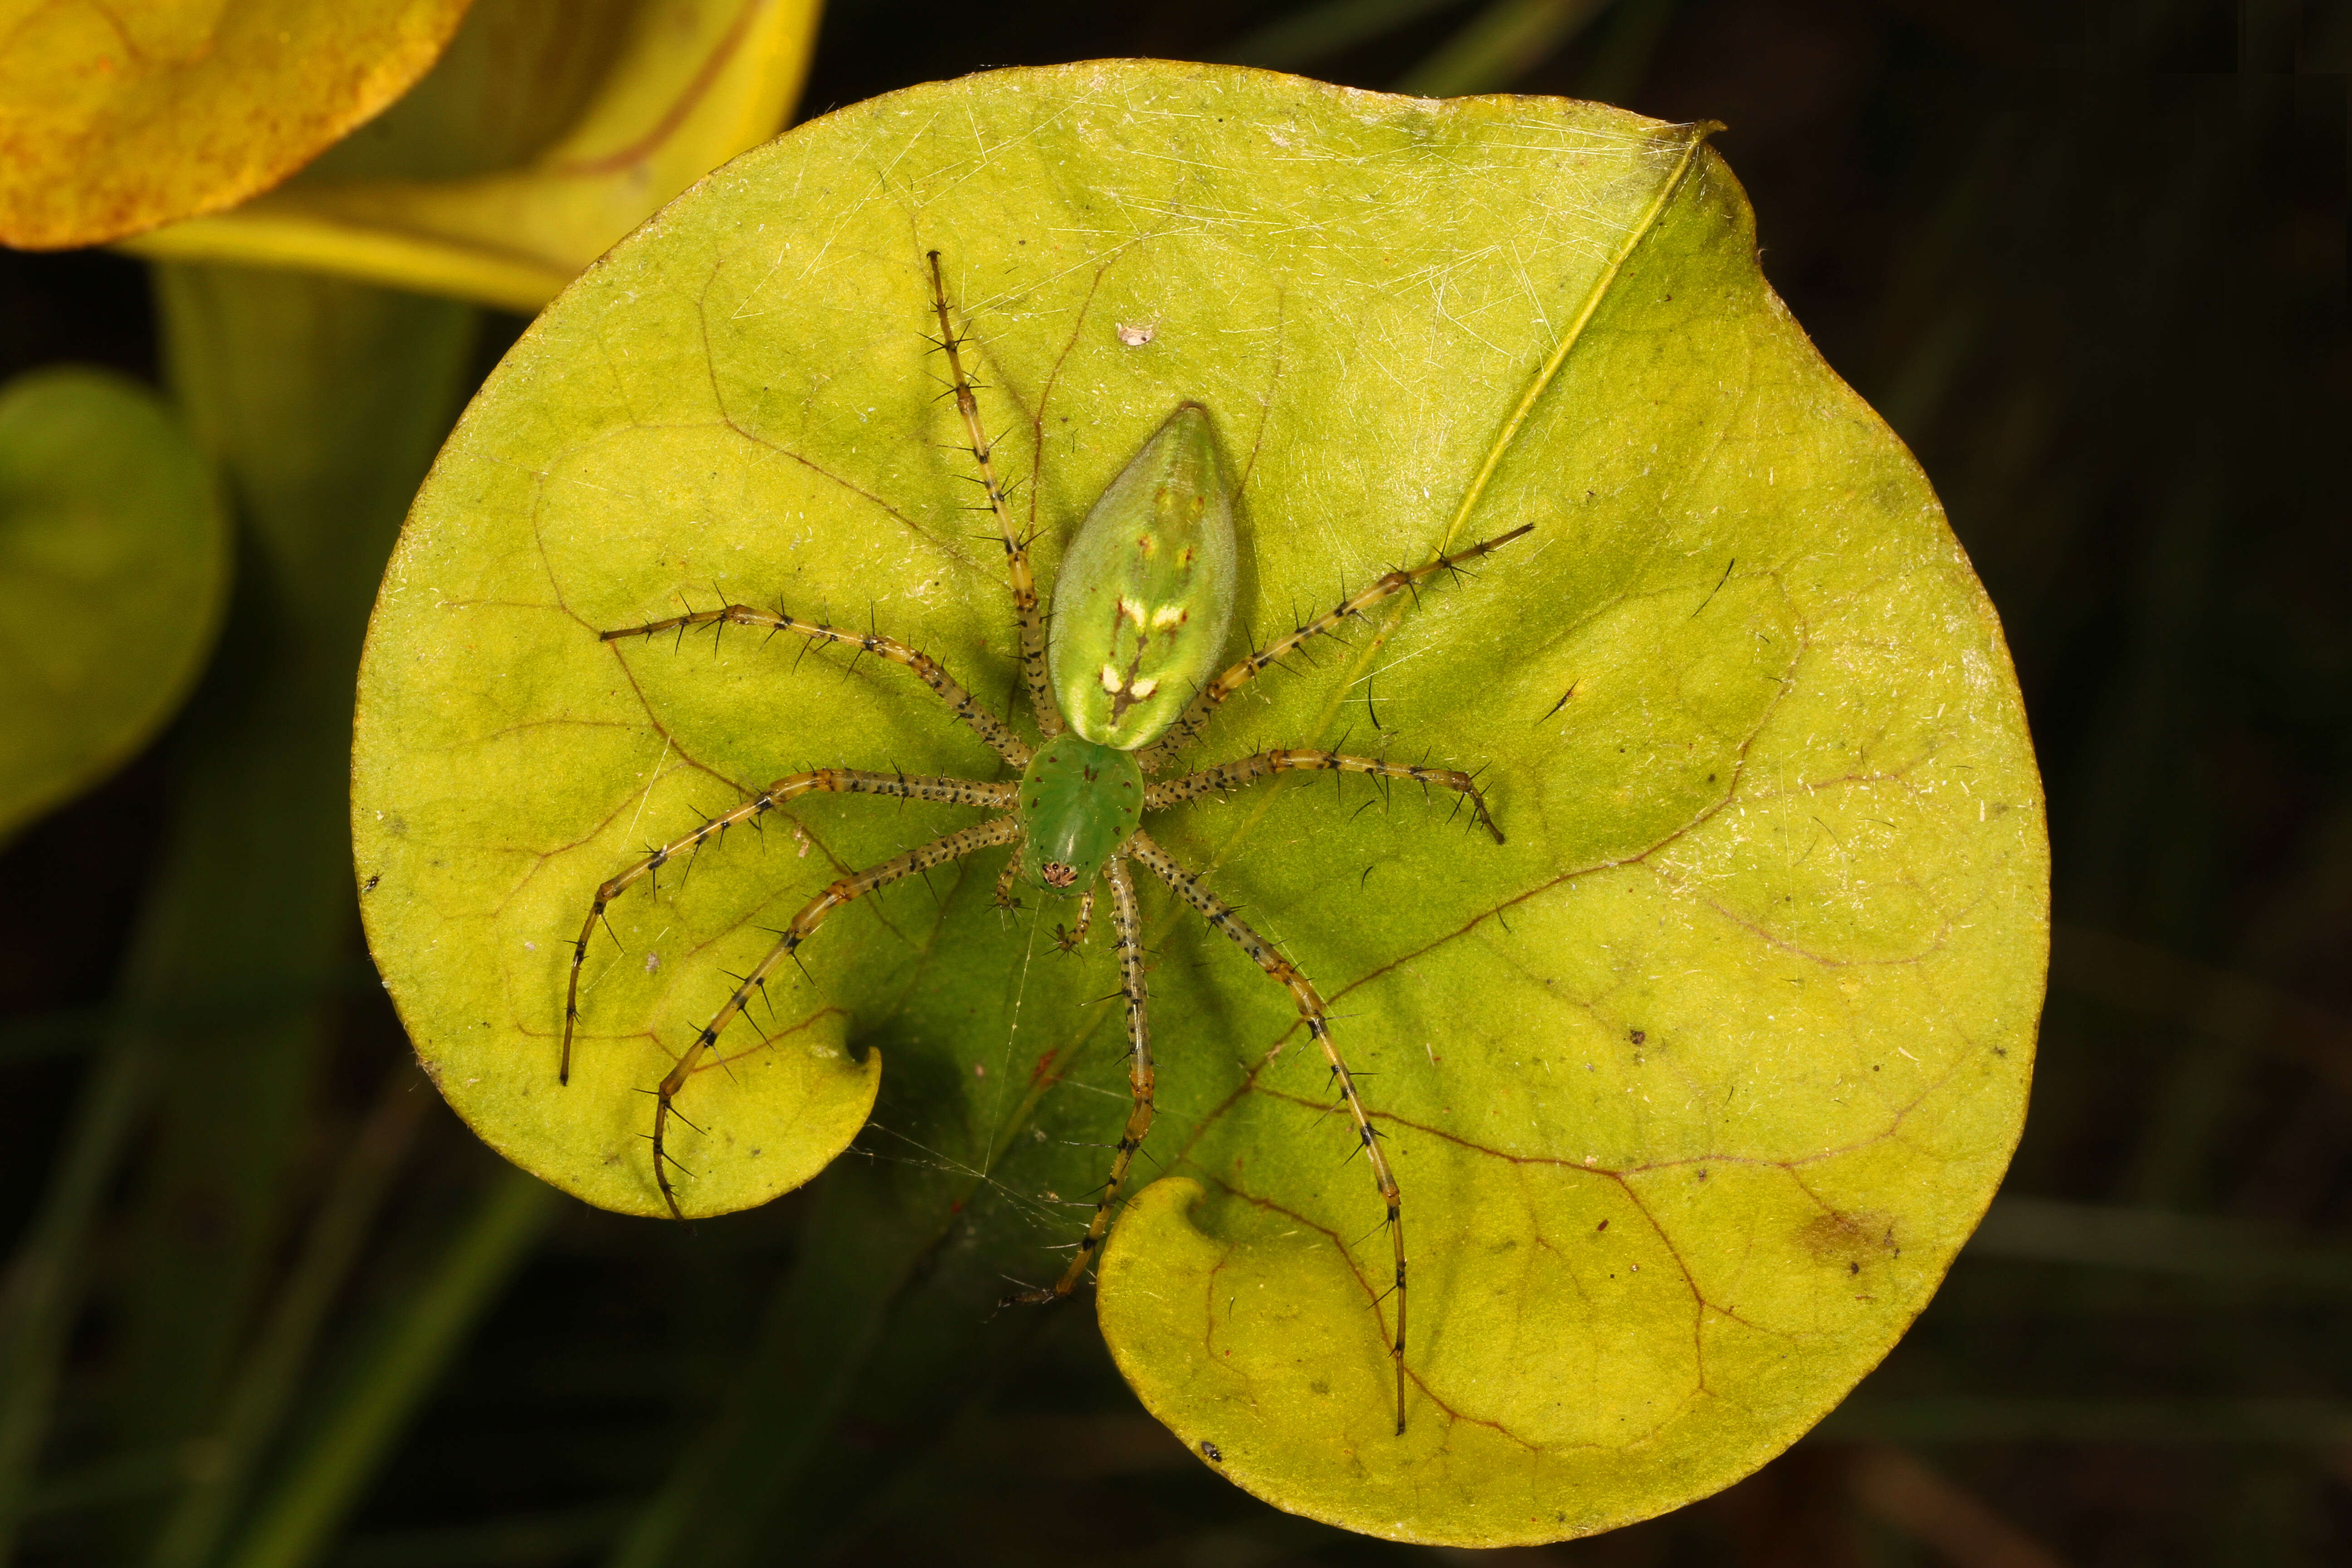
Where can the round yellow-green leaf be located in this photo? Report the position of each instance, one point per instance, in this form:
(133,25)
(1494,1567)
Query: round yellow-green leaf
(1693,1087)
(114,566)
(115,118)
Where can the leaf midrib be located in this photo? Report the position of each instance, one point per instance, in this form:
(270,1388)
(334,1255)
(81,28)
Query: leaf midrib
(1504,439)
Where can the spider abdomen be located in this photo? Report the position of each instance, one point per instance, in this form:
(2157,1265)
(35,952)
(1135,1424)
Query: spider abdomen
(1146,593)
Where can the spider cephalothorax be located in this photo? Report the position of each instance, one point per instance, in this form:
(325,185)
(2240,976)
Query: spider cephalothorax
(1079,802)
(1142,614)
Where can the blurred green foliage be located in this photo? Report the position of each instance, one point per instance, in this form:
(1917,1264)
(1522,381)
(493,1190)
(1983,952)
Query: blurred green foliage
(266,1304)
(114,567)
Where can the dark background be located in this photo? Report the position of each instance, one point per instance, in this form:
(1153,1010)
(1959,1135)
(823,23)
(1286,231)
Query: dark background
(2089,260)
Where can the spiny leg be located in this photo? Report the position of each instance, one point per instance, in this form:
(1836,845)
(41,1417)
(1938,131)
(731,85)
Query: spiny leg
(1128,923)
(836,781)
(1032,621)
(1221,915)
(984,723)
(1070,941)
(938,852)
(1266,765)
(1181,734)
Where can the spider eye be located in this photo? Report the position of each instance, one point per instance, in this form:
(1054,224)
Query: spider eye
(1057,875)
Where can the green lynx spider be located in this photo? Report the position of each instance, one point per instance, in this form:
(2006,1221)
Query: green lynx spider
(1140,614)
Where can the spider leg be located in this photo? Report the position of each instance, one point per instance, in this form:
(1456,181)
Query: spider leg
(838,781)
(1127,923)
(1160,796)
(1069,940)
(1219,914)
(1181,734)
(1026,615)
(965,706)
(938,851)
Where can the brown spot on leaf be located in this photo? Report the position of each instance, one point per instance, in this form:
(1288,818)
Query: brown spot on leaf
(1851,1239)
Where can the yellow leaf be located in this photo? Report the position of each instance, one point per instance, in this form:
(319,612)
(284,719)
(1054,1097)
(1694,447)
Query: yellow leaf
(116,118)
(678,88)
(1692,1089)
